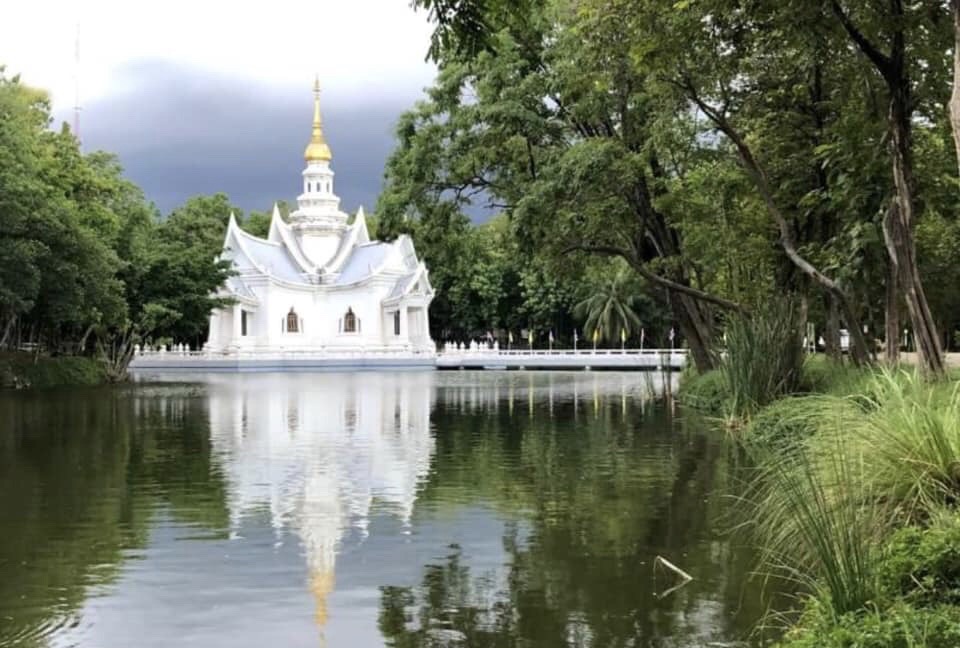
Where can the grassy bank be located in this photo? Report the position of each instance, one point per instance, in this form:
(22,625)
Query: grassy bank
(856,498)
(27,371)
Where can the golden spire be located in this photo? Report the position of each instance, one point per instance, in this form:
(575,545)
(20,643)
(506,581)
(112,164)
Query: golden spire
(321,584)
(317,149)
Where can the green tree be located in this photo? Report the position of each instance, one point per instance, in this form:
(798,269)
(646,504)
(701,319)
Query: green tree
(611,309)
(83,257)
(569,145)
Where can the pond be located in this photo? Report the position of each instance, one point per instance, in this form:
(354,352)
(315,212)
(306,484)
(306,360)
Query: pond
(369,509)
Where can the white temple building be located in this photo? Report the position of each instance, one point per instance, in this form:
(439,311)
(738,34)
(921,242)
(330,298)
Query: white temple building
(317,283)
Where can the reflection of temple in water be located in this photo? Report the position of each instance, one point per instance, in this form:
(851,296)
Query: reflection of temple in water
(320,454)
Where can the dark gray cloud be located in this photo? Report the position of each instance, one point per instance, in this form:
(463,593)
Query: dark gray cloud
(180,132)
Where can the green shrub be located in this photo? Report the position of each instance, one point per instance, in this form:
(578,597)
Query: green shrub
(898,626)
(922,564)
(786,423)
(24,370)
(823,375)
(763,359)
(706,392)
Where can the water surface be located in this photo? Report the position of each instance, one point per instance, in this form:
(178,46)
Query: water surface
(367,509)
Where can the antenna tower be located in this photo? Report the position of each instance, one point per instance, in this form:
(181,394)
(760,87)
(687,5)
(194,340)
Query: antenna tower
(76,79)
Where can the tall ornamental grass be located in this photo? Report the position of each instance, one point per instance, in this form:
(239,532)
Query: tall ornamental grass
(910,439)
(764,357)
(818,526)
(859,467)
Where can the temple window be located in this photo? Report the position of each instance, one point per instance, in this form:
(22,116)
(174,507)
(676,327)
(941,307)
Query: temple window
(293,322)
(396,323)
(243,322)
(349,322)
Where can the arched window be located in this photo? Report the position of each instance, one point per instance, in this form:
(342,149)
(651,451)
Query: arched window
(293,322)
(349,322)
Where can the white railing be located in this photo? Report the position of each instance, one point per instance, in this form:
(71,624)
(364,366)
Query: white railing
(184,352)
(449,350)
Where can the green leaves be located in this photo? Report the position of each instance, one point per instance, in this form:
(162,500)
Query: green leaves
(610,310)
(82,255)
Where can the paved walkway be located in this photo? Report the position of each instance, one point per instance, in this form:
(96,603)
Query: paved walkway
(953,359)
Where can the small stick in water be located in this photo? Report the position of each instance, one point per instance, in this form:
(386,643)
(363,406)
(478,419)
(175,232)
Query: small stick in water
(660,560)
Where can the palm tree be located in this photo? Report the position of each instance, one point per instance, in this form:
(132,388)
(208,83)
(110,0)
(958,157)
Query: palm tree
(610,309)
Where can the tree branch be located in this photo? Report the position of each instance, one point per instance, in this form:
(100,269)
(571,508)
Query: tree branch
(871,51)
(652,277)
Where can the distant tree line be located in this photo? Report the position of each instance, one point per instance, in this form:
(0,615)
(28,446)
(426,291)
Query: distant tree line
(87,265)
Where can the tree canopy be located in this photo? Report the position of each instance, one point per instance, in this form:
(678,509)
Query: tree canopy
(725,151)
(85,260)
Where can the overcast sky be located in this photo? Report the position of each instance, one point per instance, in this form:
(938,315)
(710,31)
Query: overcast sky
(202,96)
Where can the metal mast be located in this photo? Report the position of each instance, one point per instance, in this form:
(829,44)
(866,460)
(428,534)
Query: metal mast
(76,79)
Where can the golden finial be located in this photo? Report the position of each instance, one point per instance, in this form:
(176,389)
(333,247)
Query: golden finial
(317,149)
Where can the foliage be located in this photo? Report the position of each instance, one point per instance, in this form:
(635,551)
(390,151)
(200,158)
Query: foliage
(785,424)
(257,223)
(910,440)
(764,357)
(84,260)
(27,371)
(813,527)
(922,564)
(707,392)
(596,128)
(823,375)
(898,626)
(611,309)
(938,248)
(879,453)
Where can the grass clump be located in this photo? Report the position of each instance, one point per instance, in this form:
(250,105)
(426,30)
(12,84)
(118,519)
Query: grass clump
(817,527)
(787,423)
(911,440)
(863,509)
(764,358)
(706,392)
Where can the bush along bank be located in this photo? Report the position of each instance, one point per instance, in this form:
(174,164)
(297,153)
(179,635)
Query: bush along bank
(29,371)
(856,498)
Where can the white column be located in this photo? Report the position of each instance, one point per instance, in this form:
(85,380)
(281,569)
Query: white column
(236,325)
(404,325)
(213,335)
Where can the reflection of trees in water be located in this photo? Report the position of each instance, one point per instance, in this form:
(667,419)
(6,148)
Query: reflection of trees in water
(598,499)
(81,475)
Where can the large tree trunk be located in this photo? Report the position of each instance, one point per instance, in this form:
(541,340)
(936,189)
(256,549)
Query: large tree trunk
(898,234)
(831,335)
(6,330)
(892,316)
(898,227)
(697,329)
(955,96)
(81,347)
